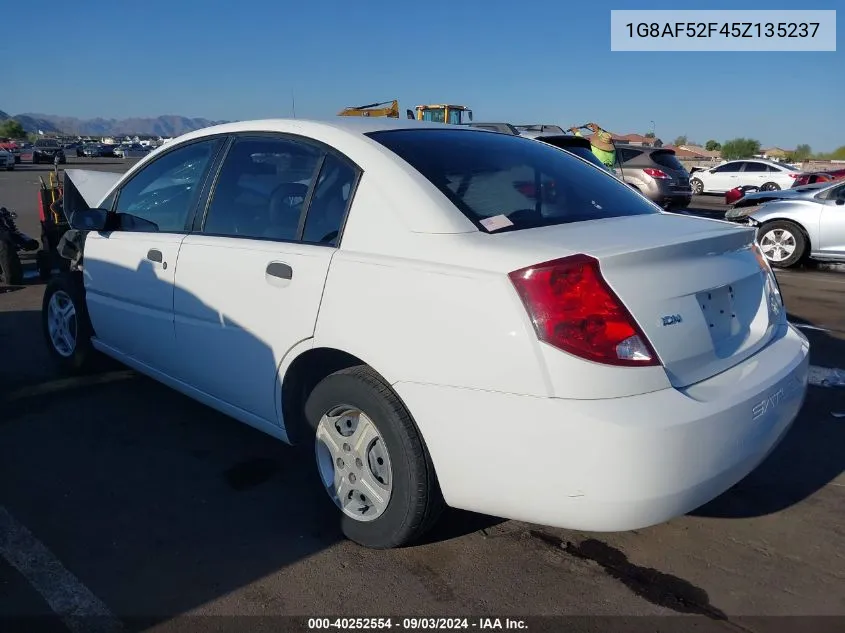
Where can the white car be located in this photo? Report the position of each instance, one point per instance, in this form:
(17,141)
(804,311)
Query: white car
(767,175)
(7,160)
(392,296)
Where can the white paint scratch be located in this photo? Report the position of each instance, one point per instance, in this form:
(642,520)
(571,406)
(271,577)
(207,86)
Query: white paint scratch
(826,376)
(807,326)
(80,610)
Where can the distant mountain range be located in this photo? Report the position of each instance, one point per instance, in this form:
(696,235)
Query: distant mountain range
(166,125)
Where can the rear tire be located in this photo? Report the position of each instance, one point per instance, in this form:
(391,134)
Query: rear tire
(66,326)
(770,186)
(402,497)
(11,272)
(783,243)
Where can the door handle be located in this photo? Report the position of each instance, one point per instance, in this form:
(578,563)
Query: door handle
(154,255)
(280,270)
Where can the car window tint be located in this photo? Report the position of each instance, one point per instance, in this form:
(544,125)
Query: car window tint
(756,167)
(626,154)
(729,167)
(261,188)
(667,159)
(164,192)
(330,202)
(517,182)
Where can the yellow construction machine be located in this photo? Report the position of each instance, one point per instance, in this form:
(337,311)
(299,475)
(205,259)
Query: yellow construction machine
(439,113)
(442,113)
(373,109)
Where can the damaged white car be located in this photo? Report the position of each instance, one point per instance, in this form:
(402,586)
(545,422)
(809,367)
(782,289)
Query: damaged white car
(441,315)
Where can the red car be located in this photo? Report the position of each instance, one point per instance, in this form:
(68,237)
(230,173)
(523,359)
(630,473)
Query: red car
(738,192)
(818,176)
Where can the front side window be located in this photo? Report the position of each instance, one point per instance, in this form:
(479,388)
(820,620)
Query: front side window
(505,183)
(728,168)
(261,188)
(162,195)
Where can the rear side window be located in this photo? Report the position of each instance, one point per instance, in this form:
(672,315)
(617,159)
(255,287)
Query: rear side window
(506,183)
(667,159)
(756,167)
(626,154)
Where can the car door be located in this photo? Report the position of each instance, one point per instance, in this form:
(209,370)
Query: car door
(755,174)
(832,223)
(718,179)
(129,271)
(250,280)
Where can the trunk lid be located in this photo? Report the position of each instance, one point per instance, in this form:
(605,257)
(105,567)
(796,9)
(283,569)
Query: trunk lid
(695,286)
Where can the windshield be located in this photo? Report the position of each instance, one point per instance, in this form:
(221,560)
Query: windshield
(505,183)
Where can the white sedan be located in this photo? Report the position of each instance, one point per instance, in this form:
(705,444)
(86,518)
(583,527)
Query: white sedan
(767,175)
(443,316)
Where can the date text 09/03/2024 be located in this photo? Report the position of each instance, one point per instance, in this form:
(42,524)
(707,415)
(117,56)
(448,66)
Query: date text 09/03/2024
(415,624)
(726,29)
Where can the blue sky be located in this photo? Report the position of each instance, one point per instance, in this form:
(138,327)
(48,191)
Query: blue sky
(531,61)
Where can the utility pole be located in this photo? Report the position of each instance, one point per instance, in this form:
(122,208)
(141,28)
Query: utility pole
(293,103)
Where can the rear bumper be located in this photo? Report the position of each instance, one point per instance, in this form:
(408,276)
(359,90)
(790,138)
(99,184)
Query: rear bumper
(614,464)
(666,195)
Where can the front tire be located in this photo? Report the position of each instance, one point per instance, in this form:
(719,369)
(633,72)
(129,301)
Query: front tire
(65,323)
(697,186)
(783,243)
(372,460)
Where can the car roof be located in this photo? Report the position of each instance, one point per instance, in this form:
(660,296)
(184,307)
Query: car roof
(354,125)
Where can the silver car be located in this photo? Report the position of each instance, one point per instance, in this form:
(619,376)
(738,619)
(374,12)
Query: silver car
(794,224)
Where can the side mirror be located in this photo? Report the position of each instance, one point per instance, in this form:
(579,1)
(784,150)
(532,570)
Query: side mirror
(410,114)
(89,220)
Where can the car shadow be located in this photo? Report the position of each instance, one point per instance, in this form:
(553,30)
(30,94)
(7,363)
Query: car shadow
(807,459)
(158,502)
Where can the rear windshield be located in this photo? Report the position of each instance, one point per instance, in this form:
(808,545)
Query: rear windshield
(667,159)
(579,150)
(505,183)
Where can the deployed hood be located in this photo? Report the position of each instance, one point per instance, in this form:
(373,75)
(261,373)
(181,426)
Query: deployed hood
(759,197)
(91,186)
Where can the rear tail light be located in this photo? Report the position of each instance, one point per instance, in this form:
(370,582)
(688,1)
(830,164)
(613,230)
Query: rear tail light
(775,296)
(573,309)
(656,173)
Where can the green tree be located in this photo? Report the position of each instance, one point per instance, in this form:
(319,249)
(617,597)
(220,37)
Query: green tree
(12,129)
(740,148)
(713,146)
(649,134)
(802,153)
(681,140)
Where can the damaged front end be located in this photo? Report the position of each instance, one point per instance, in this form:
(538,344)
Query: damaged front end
(742,215)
